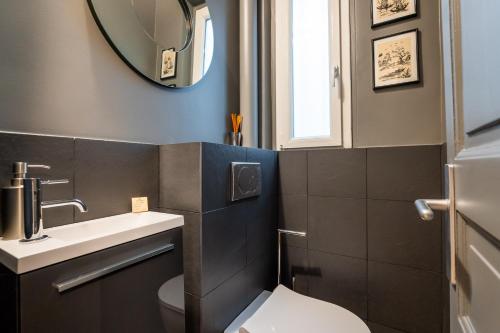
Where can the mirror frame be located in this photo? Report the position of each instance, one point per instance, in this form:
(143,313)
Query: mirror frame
(189,40)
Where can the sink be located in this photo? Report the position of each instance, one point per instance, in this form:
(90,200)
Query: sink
(77,239)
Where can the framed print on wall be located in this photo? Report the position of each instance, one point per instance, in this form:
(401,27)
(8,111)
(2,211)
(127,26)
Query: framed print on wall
(168,64)
(387,11)
(396,59)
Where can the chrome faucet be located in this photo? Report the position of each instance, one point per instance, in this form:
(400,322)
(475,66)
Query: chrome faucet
(22,208)
(61,203)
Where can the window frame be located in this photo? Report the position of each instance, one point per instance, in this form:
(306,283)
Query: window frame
(282,77)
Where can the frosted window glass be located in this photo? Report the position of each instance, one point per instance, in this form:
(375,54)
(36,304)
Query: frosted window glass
(209,45)
(311,78)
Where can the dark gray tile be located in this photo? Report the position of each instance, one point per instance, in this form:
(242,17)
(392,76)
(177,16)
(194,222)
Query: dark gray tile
(337,172)
(180,176)
(192,313)
(337,225)
(397,235)
(269,166)
(293,172)
(293,216)
(108,174)
(53,151)
(261,275)
(404,298)
(295,263)
(340,280)
(223,246)
(404,173)
(192,256)
(216,173)
(261,224)
(377,328)
(224,304)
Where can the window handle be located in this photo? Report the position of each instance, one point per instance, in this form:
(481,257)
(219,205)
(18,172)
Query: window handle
(335,76)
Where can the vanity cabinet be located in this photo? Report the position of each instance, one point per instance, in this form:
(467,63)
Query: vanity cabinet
(118,293)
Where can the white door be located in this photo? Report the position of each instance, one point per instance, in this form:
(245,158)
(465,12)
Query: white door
(471,50)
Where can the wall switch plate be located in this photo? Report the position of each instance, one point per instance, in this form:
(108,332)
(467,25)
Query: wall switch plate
(246,180)
(140,205)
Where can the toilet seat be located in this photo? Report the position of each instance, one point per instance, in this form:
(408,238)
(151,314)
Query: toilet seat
(290,312)
(171,294)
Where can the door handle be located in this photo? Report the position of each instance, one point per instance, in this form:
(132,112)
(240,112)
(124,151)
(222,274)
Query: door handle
(426,207)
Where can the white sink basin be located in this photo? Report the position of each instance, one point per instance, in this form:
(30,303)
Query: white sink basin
(77,239)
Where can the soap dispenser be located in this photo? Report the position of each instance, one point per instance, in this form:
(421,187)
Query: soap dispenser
(22,204)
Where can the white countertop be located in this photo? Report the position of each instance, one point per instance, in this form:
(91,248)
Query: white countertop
(77,239)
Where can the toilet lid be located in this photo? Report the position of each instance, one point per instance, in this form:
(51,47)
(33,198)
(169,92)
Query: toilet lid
(171,294)
(286,311)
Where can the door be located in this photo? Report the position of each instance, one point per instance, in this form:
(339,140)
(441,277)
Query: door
(471,51)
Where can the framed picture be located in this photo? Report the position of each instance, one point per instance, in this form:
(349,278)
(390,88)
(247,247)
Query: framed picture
(168,64)
(396,59)
(387,11)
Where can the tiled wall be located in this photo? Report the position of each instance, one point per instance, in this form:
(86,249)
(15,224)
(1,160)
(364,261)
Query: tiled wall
(229,247)
(366,248)
(104,174)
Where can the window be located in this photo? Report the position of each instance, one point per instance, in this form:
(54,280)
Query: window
(203,40)
(311,73)
(208,49)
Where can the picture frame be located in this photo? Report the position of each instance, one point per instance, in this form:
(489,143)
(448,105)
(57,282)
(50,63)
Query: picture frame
(168,64)
(390,11)
(396,59)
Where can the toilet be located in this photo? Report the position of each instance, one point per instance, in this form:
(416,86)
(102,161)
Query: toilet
(171,302)
(282,310)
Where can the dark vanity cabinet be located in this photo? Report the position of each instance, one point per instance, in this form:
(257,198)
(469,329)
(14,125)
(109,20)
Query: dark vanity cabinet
(122,298)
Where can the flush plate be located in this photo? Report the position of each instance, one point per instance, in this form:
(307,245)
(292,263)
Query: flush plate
(246,180)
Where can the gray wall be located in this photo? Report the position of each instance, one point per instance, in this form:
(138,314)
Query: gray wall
(60,77)
(410,115)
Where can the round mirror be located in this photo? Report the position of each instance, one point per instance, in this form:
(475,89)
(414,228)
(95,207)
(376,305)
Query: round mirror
(170,42)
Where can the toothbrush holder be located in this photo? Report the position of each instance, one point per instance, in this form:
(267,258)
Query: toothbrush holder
(235,138)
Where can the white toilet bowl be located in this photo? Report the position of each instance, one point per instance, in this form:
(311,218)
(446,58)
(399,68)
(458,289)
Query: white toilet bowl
(171,301)
(287,311)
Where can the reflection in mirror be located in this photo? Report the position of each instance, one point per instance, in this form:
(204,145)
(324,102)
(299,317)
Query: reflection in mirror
(171,42)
